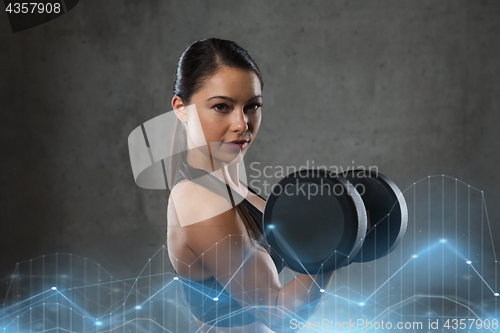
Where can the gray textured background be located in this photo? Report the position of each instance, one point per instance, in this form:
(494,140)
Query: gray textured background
(409,86)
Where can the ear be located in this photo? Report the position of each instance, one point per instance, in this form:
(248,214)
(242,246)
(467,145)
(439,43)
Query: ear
(179,108)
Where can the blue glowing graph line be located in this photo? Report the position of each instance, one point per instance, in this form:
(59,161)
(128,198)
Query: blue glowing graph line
(421,252)
(489,226)
(483,202)
(234,274)
(430,296)
(387,281)
(111,320)
(135,282)
(486,283)
(429,249)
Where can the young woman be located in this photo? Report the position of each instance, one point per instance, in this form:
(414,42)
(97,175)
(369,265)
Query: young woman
(214,233)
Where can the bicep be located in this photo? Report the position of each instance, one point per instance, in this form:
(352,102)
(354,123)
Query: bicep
(236,261)
(215,233)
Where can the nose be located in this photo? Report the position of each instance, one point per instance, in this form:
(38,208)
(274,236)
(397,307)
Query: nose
(239,121)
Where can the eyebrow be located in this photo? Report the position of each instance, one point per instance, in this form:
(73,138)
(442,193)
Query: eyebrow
(232,100)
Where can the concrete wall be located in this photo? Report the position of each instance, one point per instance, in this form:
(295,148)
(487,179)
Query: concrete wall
(409,86)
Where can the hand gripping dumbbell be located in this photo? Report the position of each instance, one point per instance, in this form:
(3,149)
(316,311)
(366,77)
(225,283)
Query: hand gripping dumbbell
(319,221)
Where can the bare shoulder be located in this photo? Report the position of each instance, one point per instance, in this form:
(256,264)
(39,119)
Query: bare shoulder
(205,218)
(193,203)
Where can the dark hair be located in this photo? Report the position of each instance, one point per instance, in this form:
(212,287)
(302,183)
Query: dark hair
(203,58)
(200,60)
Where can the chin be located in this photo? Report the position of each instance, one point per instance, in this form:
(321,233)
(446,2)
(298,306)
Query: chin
(230,157)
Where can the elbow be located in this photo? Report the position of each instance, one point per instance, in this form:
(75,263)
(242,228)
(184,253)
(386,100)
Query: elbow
(282,313)
(284,316)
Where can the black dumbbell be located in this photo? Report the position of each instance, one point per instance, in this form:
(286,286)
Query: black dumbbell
(320,221)
(387,213)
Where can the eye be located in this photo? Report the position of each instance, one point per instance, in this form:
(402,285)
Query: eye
(221,107)
(254,106)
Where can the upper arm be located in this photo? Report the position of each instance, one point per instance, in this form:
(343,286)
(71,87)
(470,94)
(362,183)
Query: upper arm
(221,242)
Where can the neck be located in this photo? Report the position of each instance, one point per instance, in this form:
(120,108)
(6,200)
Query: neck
(227,173)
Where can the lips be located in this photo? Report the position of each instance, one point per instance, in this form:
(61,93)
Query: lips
(236,144)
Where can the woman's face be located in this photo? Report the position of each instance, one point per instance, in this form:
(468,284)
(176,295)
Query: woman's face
(227,114)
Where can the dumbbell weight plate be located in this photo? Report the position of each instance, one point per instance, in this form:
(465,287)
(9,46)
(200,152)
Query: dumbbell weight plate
(315,222)
(387,212)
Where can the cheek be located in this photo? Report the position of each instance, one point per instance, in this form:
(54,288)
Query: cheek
(255,120)
(195,130)
(214,127)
